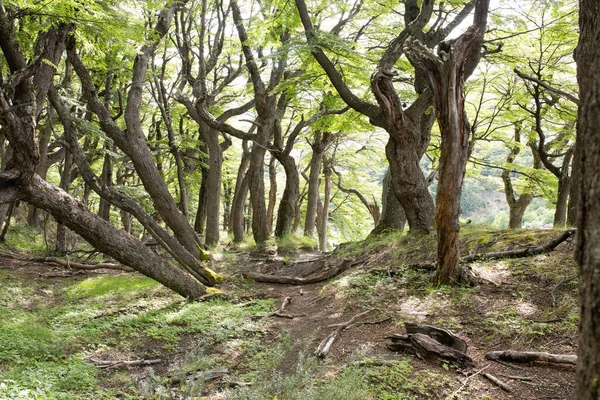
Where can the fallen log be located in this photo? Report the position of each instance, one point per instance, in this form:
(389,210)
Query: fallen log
(326,344)
(531,356)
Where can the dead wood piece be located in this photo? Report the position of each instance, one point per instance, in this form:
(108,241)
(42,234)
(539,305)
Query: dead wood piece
(443,336)
(518,378)
(497,382)
(430,349)
(375,363)
(380,321)
(457,391)
(401,343)
(110,364)
(531,356)
(292,280)
(326,344)
(89,267)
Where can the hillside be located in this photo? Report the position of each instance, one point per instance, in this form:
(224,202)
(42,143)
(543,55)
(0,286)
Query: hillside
(64,333)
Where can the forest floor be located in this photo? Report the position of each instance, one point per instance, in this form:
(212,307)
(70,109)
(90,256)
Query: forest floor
(65,334)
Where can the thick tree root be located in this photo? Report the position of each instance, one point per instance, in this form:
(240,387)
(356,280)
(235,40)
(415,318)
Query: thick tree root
(337,269)
(279,312)
(109,364)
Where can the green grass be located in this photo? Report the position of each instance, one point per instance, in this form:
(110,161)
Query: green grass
(49,333)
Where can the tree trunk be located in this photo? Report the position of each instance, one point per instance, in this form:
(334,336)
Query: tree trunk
(213,176)
(272,193)
(289,199)
(239,198)
(392,215)
(319,146)
(573,205)
(564,188)
(517,207)
(446,73)
(110,240)
(324,215)
(65,184)
(408,182)
(587,56)
(200,220)
(106,176)
(256,183)
(227,201)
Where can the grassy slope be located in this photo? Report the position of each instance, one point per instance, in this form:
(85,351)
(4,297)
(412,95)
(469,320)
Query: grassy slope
(51,328)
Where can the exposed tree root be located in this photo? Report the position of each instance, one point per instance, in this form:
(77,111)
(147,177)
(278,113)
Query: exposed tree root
(326,344)
(518,253)
(280,311)
(531,356)
(291,280)
(110,364)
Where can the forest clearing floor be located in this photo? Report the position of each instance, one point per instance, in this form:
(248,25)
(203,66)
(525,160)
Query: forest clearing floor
(66,336)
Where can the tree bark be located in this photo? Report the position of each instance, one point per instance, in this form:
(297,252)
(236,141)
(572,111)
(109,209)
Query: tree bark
(392,215)
(272,193)
(587,56)
(65,184)
(517,206)
(108,239)
(319,145)
(324,215)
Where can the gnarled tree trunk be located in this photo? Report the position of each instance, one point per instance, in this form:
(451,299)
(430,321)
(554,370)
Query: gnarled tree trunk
(587,56)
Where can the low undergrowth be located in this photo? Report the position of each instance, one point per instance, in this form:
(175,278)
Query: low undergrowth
(53,329)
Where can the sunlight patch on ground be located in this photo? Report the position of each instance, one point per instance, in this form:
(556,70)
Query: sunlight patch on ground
(495,271)
(416,307)
(526,309)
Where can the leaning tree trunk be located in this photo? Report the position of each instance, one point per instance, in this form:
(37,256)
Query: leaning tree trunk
(446,73)
(587,56)
(110,240)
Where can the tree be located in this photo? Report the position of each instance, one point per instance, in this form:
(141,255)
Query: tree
(446,73)
(408,127)
(18,109)
(587,55)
